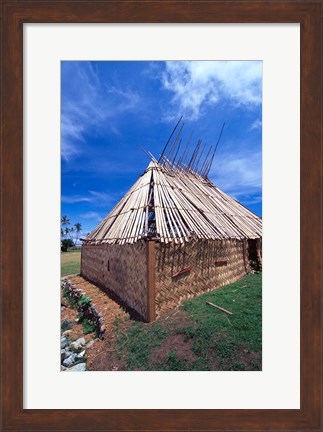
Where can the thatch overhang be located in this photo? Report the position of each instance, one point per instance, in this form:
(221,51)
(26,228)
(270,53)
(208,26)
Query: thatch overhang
(172,204)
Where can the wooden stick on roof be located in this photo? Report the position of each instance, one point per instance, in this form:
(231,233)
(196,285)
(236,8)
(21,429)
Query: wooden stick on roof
(152,157)
(179,146)
(204,165)
(162,154)
(216,146)
(147,153)
(189,166)
(196,154)
(174,145)
(192,157)
(183,157)
(198,161)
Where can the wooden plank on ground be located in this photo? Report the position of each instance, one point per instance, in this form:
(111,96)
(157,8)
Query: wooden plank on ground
(219,307)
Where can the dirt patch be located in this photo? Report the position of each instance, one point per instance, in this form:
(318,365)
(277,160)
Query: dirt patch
(108,308)
(103,356)
(251,359)
(71,315)
(174,344)
(175,320)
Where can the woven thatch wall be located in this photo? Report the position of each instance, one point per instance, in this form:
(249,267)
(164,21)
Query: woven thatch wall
(120,268)
(182,271)
(213,263)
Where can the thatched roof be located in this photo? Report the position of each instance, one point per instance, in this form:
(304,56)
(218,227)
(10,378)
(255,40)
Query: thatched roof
(169,203)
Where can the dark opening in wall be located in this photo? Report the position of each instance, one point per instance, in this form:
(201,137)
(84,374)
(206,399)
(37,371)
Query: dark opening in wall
(253,254)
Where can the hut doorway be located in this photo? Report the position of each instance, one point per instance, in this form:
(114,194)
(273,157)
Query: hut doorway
(254,254)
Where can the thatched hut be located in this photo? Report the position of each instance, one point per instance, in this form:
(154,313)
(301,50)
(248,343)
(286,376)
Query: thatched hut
(173,236)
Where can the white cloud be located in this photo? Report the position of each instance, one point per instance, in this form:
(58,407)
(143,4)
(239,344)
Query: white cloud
(70,132)
(129,98)
(71,129)
(92,215)
(93,197)
(102,197)
(249,199)
(73,199)
(90,103)
(239,174)
(198,84)
(257,124)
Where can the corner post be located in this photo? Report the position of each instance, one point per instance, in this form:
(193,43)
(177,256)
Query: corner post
(151,307)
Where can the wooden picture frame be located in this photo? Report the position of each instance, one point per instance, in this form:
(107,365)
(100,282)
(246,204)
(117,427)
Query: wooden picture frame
(14,15)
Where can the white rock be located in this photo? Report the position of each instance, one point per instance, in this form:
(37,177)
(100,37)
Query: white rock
(75,347)
(69,360)
(80,367)
(64,342)
(67,332)
(80,355)
(64,354)
(78,344)
(89,344)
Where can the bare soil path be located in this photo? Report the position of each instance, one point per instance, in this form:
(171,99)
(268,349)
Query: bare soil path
(103,353)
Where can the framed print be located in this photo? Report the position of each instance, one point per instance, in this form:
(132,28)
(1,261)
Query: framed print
(47,87)
(60,61)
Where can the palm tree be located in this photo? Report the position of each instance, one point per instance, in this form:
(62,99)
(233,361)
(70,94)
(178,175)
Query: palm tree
(78,227)
(64,223)
(65,220)
(70,232)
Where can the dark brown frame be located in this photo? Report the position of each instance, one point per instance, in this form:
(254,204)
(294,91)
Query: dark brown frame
(14,15)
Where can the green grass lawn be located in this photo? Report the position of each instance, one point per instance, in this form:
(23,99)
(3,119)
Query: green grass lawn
(199,336)
(70,262)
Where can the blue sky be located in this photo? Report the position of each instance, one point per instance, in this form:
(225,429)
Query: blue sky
(111,109)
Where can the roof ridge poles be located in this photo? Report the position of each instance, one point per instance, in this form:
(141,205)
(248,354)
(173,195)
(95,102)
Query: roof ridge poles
(174,145)
(198,161)
(147,153)
(204,165)
(216,146)
(162,154)
(183,156)
(152,156)
(167,165)
(178,147)
(189,167)
(193,166)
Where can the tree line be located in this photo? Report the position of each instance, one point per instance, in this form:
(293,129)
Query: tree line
(72,232)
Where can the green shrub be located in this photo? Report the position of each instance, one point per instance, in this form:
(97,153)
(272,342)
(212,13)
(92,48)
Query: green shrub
(85,301)
(67,243)
(88,326)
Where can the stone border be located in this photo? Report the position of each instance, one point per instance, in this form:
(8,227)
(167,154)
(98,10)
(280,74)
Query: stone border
(87,310)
